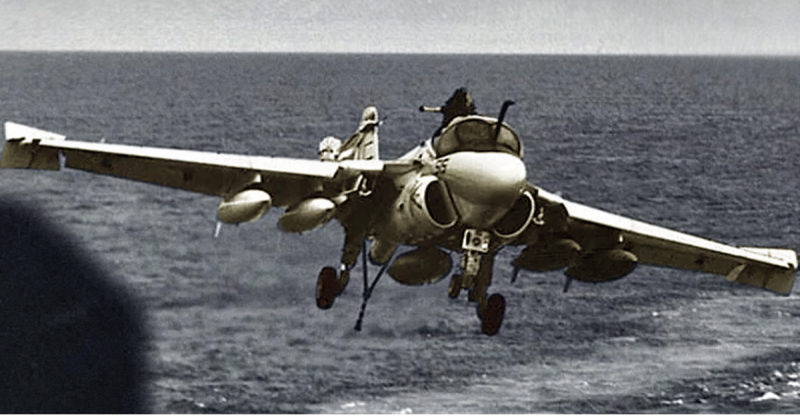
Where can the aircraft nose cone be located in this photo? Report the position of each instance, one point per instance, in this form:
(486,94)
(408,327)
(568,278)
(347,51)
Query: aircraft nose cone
(484,185)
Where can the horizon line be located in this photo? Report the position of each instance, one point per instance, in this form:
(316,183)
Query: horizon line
(481,53)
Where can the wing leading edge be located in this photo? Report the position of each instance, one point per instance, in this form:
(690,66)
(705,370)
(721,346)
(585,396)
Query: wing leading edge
(771,269)
(204,172)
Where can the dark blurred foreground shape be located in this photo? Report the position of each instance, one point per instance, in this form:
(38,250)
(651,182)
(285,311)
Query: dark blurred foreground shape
(71,341)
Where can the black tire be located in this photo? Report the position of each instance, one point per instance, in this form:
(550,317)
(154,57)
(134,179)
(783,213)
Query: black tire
(326,288)
(492,317)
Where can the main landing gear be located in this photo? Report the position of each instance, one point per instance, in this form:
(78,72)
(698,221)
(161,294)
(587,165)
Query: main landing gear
(329,286)
(491,311)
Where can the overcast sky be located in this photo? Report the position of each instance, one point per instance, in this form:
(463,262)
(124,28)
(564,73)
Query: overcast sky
(405,26)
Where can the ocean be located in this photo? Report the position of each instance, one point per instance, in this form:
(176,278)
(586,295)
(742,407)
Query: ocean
(705,145)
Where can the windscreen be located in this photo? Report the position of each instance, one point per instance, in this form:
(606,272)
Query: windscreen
(477,133)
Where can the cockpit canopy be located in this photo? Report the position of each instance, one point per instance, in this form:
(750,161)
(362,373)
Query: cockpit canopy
(477,133)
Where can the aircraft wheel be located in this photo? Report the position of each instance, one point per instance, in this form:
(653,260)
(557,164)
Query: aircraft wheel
(326,287)
(492,316)
(455,287)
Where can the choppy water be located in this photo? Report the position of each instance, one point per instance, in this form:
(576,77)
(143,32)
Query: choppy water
(705,145)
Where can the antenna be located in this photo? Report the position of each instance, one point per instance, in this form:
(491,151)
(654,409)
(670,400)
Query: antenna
(502,116)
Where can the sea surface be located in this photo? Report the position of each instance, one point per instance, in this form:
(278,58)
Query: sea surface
(706,145)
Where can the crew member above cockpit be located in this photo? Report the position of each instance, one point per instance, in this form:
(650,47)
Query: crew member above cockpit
(463,130)
(459,104)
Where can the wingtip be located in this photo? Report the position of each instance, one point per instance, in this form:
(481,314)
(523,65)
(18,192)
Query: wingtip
(771,278)
(15,131)
(788,257)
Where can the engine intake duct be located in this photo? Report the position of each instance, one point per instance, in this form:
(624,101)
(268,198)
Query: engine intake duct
(518,218)
(438,204)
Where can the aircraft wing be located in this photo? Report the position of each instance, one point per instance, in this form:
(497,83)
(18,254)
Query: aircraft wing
(771,269)
(209,173)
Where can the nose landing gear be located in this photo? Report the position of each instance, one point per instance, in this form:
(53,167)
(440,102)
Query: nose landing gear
(454,289)
(477,264)
(491,310)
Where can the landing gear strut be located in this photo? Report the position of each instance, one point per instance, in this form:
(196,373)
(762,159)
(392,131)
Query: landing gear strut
(454,289)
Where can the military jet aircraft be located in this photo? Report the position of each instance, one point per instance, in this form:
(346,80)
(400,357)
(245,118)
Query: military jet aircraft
(461,192)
